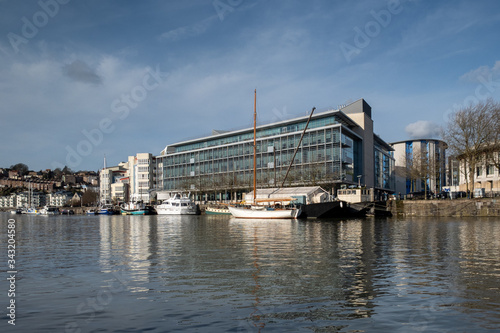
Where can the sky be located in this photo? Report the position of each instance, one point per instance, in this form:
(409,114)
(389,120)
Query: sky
(80,80)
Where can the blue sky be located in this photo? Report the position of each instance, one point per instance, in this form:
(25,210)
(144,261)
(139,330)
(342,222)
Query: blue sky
(84,79)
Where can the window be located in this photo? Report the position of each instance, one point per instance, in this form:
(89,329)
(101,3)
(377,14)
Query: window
(479,171)
(490,170)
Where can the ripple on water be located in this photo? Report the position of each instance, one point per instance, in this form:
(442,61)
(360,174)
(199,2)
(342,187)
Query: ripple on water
(160,273)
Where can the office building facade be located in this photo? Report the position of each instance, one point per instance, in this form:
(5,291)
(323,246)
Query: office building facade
(420,165)
(338,148)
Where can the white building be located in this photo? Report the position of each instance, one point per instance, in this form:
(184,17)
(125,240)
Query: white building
(108,177)
(131,180)
(142,171)
(8,201)
(59,199)
(120,189)
(37,199)
(486,175)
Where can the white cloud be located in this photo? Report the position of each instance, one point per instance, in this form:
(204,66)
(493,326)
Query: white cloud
(423,129)
(483,72)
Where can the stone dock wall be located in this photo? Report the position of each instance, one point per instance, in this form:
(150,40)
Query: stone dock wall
(76,210)
(459,207)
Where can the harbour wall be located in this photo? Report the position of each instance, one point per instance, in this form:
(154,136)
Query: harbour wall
(76,210)
(446,208)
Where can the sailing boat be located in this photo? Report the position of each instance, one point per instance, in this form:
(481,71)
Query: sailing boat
(256,211)
(137,207)
(104,207)
(31,209)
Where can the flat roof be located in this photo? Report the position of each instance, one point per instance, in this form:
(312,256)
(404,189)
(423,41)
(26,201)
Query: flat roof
(417,140)
(344,120)
(381,142)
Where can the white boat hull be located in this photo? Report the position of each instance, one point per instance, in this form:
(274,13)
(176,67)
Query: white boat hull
(49,210)
(32,211)
(263,213)
(178,205)
(217,211)
(176,210)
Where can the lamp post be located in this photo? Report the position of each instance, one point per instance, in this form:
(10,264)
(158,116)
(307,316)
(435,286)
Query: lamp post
(359,181)
(274,164)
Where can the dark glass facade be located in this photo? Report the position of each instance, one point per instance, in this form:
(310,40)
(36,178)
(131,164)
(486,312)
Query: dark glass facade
(330,153)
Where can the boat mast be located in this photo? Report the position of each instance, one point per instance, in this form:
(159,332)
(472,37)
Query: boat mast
(255,146)
(297,148)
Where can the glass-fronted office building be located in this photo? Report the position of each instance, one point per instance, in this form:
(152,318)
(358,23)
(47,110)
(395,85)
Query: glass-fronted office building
(420,165)
(332,153)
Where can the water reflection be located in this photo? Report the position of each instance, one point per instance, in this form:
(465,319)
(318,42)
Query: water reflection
(216,273)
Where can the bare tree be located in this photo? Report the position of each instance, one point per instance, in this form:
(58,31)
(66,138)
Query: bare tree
(492,153)
(315,174)
(469,132)
(419,168)
(90,197)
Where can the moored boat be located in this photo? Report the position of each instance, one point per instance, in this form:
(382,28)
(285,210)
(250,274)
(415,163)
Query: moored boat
(137,208)
(31,211)
(263,212)
(217,210)
(49,210)
(178,205)
(255,211)
(106,210)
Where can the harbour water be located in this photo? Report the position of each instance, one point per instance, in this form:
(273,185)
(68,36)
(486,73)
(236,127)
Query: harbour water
(219,274)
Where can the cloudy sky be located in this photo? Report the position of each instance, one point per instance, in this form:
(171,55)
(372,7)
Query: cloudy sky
(84,79)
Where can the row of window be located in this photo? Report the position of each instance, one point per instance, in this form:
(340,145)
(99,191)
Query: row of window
(384,165)
(310,173)
(313,139)
(490,170)
(304,156)
(261,133)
